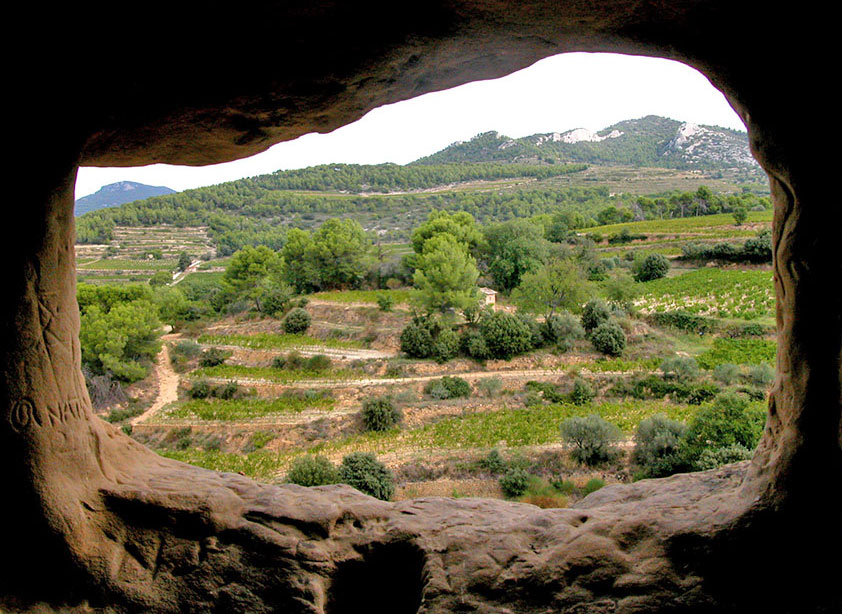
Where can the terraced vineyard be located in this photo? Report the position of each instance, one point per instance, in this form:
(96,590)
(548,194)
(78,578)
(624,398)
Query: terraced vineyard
(135,254)
(722,293)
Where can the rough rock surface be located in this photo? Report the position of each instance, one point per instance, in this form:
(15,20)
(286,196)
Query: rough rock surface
(93,521)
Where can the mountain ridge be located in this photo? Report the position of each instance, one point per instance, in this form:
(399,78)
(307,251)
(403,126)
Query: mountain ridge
(118,193)
(647,141)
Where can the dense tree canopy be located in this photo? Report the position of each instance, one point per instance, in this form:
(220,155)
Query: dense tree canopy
(513,249)
(446,274)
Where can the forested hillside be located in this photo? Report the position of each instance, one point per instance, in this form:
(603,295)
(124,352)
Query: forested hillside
(650,141)
(490,177)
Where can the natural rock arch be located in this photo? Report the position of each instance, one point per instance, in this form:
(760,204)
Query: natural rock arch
(92,520)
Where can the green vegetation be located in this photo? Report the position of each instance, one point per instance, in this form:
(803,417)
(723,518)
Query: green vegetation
(367,474)
(592,438)
(119,330)
(312,471)
(380,414)
(738,352)
(274,341)
(271,374)
(250,408)
(722,293)
(688,354)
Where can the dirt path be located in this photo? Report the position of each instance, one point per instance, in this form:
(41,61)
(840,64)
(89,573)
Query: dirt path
(167,383)
(194,266)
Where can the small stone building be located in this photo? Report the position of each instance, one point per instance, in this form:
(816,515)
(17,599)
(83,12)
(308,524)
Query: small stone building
(489,296)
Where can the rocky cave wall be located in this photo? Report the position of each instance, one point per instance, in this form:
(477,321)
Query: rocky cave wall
(94,521)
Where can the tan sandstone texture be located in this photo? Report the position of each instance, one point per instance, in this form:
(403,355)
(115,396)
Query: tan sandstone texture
(92,521)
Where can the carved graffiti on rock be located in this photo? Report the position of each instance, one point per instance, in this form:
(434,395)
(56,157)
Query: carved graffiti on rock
(23,415)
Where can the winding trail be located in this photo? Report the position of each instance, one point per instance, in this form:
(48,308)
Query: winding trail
(167,383)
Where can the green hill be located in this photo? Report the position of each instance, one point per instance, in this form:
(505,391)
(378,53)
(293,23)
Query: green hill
(649,141)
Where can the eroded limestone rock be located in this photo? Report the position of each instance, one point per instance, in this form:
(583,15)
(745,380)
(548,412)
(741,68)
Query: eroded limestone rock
(92,521)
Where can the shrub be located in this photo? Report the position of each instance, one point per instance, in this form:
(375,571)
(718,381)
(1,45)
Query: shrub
(716,457)
(582,393)
(505,335)
(658,446)
(446,346)
(312,471)
(489,386)
(727,421)
(297,321)
(594,313)
(363,471)
(593,438)
(380,414)
(200,390)
(609,339)
(227,391)
(448,388)
(536,330)
(317,363)
(562,329)
(474,345)
(514,482)
(760,375)
(276,299)
(213,357)
(655,387)
(726,373)
(385,302)
(494,462)
(653,266)
(417,339)
(549,391)
(293,361)
(680,367)
(682,320)
(187,348)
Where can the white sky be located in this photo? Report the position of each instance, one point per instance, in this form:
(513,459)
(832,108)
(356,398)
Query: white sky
(576,90)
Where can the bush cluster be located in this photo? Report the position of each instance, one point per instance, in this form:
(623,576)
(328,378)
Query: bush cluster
(684,321)
(294,361)
(723,432)
(609,338)
(651,267)
(202,389)
(297,321)
(312,471)
(754,250)
(380,414)
(448,388)
(213,357)
(360,470)
(364,472)
(593,439)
